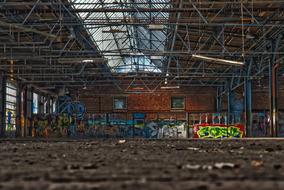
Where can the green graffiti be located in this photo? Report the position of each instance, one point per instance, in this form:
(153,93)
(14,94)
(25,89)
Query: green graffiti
(219,132)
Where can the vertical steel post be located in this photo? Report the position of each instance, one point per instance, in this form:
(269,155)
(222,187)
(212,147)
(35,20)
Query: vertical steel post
(48,105)
(273,67)
(219,100)
(248,98)
(29,110)
(19,131)
(2,103)
(25,111)
(187,124)
(248,106)
(230,102)
(273,100)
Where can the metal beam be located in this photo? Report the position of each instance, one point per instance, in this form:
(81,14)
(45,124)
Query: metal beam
(26,29)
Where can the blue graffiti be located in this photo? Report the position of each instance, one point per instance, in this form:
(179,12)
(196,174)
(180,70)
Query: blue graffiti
(72,108)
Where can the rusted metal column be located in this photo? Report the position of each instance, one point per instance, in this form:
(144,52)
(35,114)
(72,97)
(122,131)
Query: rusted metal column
(273,67)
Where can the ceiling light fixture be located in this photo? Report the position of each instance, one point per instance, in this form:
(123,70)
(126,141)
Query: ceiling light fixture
(156,27)
(82,60)
(156,57)
(170,87)
(88,61)
(138,88)
(217,60)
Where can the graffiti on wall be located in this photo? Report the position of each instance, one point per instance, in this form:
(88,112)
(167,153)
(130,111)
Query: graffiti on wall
(219,131)
(64,125)
(70,107)
(260,124)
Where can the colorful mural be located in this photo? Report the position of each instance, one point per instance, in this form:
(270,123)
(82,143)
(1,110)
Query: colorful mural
(138,125)
(63,125)
(260,124)
(219,131)
(70,107)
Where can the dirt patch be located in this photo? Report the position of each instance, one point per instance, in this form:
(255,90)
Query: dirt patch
(141,164)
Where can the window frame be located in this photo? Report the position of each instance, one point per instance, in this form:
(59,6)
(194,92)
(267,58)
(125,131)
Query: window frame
(33,103)
(124,98)
(178,97)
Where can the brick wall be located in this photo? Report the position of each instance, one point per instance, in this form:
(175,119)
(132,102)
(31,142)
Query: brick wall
(195,101)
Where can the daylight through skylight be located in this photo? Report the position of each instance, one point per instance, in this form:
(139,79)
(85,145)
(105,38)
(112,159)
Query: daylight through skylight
(125,44)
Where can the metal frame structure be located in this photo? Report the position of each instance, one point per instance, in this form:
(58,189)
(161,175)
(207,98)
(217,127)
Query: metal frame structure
(144,45)
(48,41)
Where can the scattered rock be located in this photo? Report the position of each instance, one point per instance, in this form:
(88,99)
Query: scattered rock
(121,141)
(223,165)
(277,166)
(207,167)
(71,167)
(269,150)
(90,166)
(123,150)
(191,167)
(193,148)
(256,163)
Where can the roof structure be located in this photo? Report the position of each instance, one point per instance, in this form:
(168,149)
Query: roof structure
(126,46)
(148,43)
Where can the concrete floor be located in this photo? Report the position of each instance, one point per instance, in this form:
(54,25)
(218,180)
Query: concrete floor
(142,164)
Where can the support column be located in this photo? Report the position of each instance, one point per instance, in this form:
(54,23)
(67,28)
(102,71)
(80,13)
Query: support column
(273,91)
(28,113)
(3,80)
(273,96)
(40,103)
(187,125)
(48,105)
(18,111)
(248,106)
(230,103)
(219,100)
(25,132)
(248,98)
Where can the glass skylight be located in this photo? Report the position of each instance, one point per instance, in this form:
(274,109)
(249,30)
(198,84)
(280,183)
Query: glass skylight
(121,40)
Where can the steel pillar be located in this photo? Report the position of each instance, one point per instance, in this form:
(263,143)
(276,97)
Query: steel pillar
(230,103)
(2,103)
(273,91)
(28,111)
(48,105)
(25,131)
(273,96)
(248,106)
(19,131)
(219,100)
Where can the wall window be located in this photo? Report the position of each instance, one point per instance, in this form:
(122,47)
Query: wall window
(11,100)
(35,103)
(45,103)
(178,103)
(54,106)
(119,103)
